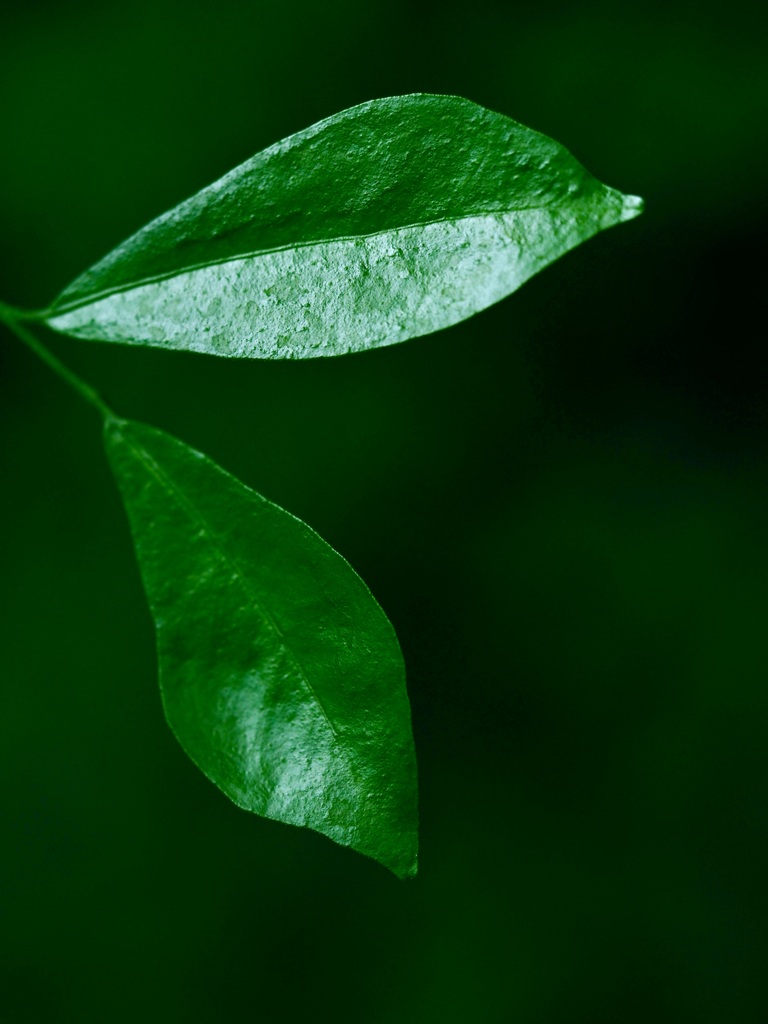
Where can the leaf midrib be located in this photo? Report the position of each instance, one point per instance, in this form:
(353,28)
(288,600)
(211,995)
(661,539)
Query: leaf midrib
(219,547)
(88,300)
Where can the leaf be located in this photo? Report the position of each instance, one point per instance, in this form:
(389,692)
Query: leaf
(280,674)
(384,222)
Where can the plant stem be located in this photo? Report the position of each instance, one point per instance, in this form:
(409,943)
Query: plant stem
(8,313)
(10,317)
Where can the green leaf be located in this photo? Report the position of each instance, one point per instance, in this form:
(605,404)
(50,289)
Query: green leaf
(387,221)
(280,674)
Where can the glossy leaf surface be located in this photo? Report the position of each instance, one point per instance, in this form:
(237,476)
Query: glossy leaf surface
(280,674)
(387,221)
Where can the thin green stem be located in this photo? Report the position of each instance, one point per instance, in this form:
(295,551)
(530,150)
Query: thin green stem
(8,313)
(11,317)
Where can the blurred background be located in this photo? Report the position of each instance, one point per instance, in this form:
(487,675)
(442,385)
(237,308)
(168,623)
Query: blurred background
(561,505)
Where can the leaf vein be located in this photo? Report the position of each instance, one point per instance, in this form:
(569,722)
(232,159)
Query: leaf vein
(68,307)
(220,548)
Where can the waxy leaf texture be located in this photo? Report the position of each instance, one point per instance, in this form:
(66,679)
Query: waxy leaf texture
(387,221)
(280,674)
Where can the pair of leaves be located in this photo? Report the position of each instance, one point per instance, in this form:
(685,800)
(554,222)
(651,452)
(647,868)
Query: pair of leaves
(280,674)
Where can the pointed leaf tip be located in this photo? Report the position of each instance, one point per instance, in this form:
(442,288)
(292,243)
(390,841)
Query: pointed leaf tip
(633,206)
(280,674)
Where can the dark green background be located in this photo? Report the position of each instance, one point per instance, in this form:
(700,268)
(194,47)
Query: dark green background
(561,504)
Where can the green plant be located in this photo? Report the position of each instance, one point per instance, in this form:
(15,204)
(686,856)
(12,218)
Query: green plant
(280,675)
